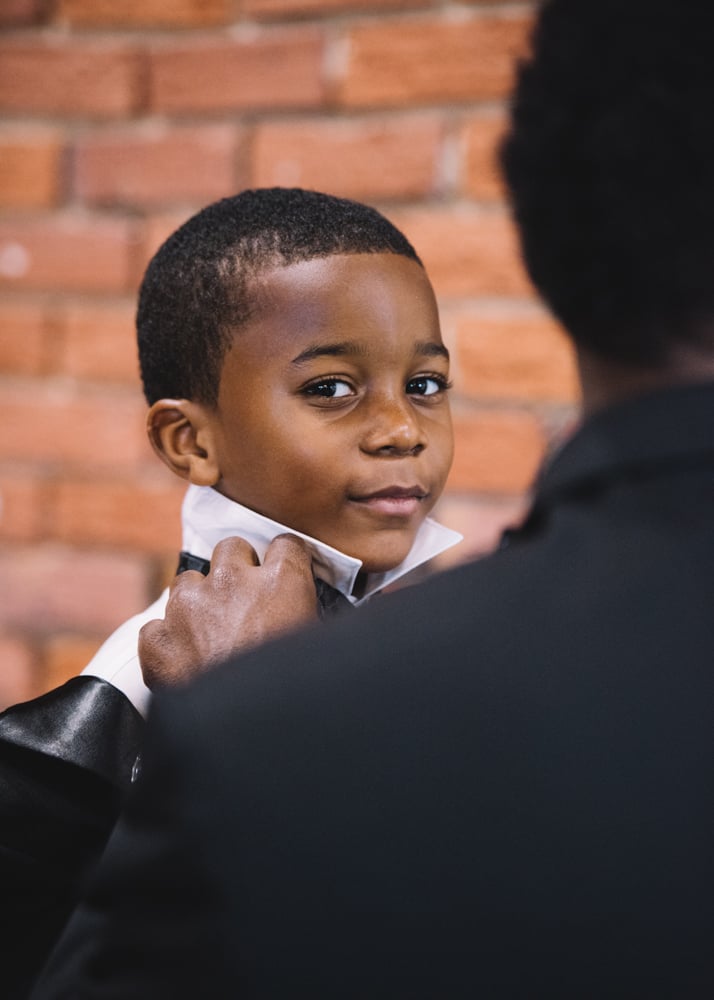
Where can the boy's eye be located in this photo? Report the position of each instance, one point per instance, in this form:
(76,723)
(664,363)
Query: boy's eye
(427,385)
(329,388)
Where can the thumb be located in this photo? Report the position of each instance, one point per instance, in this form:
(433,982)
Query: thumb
(289,550)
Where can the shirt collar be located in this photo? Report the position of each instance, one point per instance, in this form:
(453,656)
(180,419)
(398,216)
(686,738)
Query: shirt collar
(208,517)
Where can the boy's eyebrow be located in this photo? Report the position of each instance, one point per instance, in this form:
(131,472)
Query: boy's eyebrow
(425,348)
(430,349)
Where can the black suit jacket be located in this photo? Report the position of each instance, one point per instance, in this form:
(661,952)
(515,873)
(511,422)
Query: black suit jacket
(66,762)
(499,783)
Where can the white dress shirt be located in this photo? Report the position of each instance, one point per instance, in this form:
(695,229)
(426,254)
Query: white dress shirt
(207,518)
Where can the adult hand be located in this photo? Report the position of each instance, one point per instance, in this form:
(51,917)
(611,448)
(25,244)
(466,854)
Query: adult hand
(238,605)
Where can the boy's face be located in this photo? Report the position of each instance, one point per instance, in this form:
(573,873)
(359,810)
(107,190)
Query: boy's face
(332,413)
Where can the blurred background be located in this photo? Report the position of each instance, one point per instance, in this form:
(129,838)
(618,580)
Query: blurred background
(118,120)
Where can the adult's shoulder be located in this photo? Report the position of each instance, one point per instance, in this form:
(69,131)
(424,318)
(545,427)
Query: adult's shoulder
(352,658)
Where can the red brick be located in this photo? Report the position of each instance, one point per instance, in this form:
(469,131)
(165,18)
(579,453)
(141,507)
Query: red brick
(466,251)
(496,452)
(67,253)
(65,656)
(482,174)
(356,159)
(22,338)
(30,169)
(157,166)
(141,13)
(515,357)
(22,12)
(276,69)
(419,61)
(481,522)
(299,8)
(145,516)
(100,341)
(52,425)
(19,671)
(58,588)
(25,507)
(70,77)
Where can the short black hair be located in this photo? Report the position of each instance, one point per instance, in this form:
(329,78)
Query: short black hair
(196,291)
(610,164)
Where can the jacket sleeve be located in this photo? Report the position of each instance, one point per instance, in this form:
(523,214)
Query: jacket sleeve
(66,761)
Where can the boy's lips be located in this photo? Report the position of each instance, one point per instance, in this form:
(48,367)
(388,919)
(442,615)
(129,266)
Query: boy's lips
(399,501)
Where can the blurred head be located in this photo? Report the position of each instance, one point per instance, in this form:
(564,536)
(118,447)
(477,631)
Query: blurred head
(609,166)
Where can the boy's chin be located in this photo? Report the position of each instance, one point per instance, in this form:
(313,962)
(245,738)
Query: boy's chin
(384,562)
(382,551)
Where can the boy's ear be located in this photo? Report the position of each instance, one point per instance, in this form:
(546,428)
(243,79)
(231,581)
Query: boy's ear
(181,433)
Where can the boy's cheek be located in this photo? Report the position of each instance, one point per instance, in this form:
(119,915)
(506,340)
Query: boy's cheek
(442,470)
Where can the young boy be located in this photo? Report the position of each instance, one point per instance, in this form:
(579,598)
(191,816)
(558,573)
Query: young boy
(293,364)
(292,360)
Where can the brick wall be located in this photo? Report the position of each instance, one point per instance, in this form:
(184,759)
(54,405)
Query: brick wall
(118,119)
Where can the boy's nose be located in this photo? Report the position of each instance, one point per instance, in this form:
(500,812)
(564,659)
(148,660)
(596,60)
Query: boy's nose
(393,428)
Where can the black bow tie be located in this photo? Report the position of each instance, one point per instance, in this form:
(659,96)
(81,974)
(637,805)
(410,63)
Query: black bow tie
(330,601)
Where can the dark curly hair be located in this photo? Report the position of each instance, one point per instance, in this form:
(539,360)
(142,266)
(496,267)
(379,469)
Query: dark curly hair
(196,292)
(610,165)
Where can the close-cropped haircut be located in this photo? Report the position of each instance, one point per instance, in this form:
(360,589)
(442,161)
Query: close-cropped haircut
(609,164)
(198,287)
